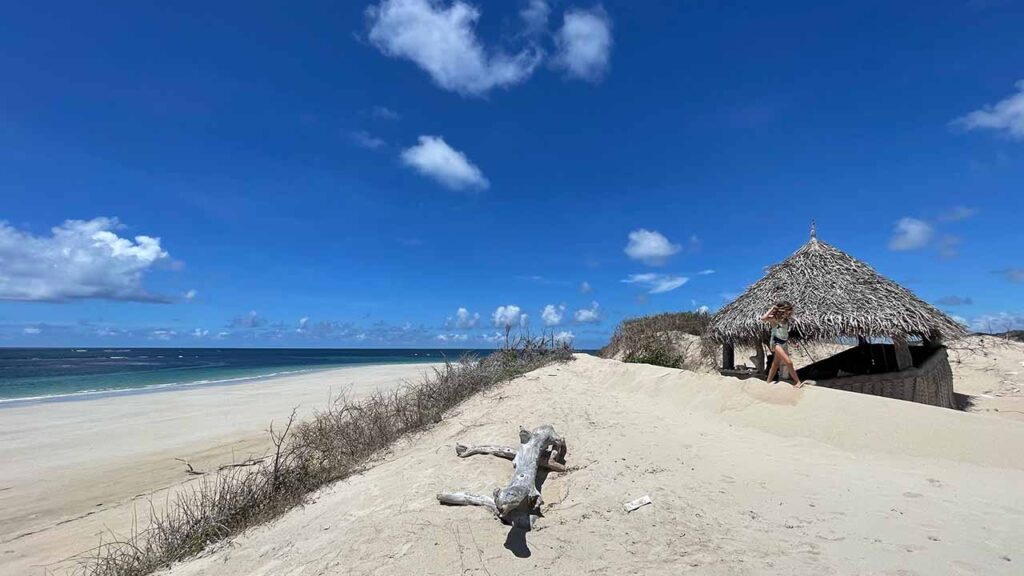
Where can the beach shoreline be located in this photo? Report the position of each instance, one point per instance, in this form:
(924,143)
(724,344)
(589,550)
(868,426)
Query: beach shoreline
(75,470)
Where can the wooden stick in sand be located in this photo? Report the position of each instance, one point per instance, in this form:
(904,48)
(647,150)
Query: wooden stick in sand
(516,503)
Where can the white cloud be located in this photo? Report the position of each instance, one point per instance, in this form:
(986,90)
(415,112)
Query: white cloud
(463,320)
(162,334)
(535,16)
(191,295)
(657,283)
(910,234)
(507,316)
(588,315)
(433,157)
(707,272)
(1007,115)
(584,43)
(250,320)
(80,259)
(552,315)
(996,323)
(585,287)
(303,325)
(703,309)
(384,113)
(452,337)
(1014,274)
(32,330)
(442,41)
(524,320)
(650,247)
(959,213)
(565,336)
(200,333)
(495,338)
(367,140)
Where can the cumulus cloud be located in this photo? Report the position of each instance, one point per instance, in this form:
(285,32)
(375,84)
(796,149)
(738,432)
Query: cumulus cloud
(453,337)
(656,283)
(552,315)
(442,41)
(650,247)
(250,320)
(910,234)
(31,330)
(997,323)
(1006,116)
(588,315)
(565,336)
(433,157)
(200,333)
(79,259)
(535,16)
(507,316)
(463,319)
(584,43)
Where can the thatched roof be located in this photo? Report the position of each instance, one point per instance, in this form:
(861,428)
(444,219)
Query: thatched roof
(835,295)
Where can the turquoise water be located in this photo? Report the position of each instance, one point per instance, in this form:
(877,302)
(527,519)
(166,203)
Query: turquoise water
(55,374)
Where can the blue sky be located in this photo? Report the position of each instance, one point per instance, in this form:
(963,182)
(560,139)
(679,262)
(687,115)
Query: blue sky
(355,173)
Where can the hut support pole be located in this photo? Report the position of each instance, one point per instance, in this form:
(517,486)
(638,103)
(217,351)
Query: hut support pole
(903,358)
(728,357)
(759,356)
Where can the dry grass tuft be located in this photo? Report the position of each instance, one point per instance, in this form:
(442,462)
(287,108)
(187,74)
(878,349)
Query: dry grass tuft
(334,444)
(662,340)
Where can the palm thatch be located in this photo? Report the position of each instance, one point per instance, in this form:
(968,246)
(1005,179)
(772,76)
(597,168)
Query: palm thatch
(835,295)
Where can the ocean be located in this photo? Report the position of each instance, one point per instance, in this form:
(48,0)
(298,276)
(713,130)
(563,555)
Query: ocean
(58,374)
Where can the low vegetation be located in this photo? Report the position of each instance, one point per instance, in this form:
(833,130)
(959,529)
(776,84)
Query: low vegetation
(670,339)
(335,443)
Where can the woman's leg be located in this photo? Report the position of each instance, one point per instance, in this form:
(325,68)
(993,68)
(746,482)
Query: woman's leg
(774,367)
(781,355)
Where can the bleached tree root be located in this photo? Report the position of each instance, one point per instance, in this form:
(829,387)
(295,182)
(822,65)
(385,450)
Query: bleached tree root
(506,452)
(466,499)
(518,503)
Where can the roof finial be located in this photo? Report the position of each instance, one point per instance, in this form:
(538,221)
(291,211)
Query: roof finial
(814,233)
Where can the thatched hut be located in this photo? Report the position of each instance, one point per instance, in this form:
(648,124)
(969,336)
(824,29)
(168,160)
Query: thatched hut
(899,351)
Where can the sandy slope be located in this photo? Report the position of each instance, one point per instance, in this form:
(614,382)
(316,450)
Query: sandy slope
(73,470)
(746,478)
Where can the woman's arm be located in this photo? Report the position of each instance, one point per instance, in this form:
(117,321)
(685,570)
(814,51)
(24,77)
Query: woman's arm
(770,315)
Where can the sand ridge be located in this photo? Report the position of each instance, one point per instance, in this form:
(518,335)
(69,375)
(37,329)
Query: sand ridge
(745,478)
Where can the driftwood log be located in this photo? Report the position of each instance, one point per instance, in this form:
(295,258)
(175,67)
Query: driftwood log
(518,502)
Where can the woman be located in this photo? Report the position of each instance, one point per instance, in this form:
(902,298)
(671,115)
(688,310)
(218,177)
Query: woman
(778,316)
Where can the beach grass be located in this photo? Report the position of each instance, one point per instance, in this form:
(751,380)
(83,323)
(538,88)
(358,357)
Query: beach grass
(341,440)
(654,340)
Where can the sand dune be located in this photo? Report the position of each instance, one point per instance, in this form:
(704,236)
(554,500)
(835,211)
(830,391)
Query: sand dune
(745,478)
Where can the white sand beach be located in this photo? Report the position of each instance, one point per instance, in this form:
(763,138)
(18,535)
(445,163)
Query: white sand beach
(73,470)
(745,478)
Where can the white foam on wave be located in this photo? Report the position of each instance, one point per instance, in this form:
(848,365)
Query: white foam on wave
(155,387)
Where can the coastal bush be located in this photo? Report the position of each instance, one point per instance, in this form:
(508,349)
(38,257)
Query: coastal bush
(662,340)
(341,440)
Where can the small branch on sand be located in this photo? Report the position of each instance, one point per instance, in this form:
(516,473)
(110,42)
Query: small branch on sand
(243,464)
(190,470)
(518,503)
